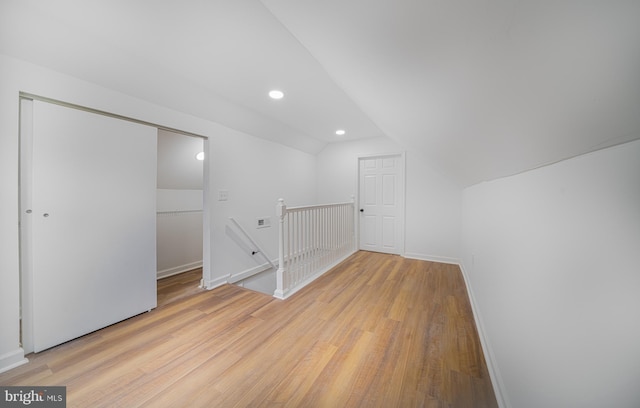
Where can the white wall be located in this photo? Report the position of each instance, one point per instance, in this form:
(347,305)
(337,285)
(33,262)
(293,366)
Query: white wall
(432,204)
(552,257)
(178,232)
(177,165)
(256,172)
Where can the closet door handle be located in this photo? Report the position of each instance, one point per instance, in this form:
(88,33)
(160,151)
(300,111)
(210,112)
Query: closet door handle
(362,210)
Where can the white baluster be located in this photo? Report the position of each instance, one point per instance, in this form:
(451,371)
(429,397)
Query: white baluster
(311,239)
(304,245)
(281,209)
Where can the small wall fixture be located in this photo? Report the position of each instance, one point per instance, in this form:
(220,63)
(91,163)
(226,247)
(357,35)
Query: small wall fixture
(200,156)
(340,132)
(275,94)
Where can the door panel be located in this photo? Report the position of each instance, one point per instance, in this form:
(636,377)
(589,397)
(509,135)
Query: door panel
(370,190)
(369,235)
(93,202)
(388,232)
(388,189)
(381,204)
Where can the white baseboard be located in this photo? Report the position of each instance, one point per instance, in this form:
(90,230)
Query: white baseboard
(432,258)
(12,360)
(214,283)
(494,373)
(179,269)
(237,277)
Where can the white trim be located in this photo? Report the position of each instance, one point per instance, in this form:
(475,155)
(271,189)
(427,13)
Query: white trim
(432,258)
(496,379)
(372,155)
(27,95)
(12,360)
(212,284)
(165,273)
(206,215)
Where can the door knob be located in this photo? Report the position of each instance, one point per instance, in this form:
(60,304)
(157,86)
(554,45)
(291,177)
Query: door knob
(362,210)
(45,215)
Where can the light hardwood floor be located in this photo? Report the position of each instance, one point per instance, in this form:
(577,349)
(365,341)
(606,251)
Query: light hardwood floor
(179,286)
(376,331)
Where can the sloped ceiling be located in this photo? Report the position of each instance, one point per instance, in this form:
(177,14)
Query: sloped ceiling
(481,89)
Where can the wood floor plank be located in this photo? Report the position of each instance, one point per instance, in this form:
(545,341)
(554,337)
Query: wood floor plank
(299,382)
(376,331)
(179,286)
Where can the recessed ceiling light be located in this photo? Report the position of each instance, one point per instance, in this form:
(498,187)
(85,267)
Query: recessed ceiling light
(200,156)
(340,132)
(275,94)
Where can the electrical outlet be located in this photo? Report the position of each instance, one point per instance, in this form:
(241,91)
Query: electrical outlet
(223,195)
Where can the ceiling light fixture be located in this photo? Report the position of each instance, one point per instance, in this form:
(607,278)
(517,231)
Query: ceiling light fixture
(200,156)
(275,94)
(340,132)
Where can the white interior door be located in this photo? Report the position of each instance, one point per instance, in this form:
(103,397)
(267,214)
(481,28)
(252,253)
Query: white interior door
(89,241)
(381,199)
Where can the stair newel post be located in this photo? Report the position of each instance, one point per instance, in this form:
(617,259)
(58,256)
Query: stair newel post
(281,210)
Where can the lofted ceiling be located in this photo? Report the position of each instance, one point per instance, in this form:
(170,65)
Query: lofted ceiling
(479,88)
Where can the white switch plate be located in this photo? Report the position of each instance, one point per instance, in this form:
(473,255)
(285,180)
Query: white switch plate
(223,195)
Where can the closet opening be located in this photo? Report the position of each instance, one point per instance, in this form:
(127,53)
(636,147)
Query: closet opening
(179,223)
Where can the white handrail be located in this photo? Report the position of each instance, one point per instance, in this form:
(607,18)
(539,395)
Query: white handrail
(255,244)
(305,207)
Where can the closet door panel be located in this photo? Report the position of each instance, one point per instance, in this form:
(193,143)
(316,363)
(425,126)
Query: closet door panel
(93,230)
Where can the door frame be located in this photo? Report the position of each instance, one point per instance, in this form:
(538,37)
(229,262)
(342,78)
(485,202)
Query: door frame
(25,163)
(402,185)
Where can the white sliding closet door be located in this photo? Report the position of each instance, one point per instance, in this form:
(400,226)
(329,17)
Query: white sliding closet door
(90,237)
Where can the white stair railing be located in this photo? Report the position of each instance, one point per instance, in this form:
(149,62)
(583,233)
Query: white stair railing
(312,240)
